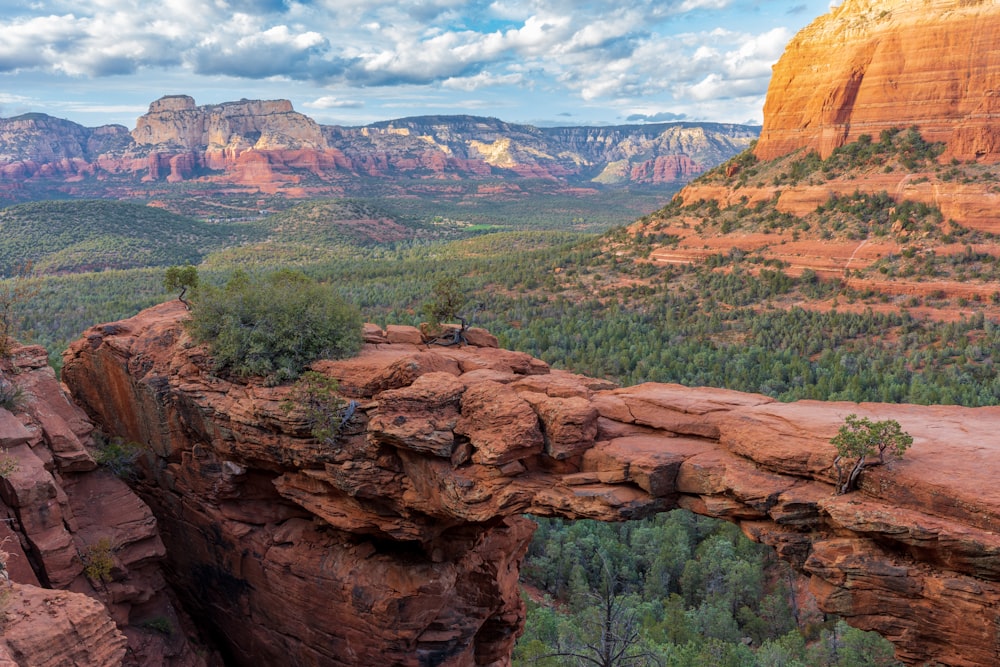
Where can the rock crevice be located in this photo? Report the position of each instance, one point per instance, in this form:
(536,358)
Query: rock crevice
(78,530)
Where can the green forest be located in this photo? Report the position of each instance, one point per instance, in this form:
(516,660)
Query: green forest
(676,590)
(536,271)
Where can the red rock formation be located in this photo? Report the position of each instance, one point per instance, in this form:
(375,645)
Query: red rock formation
(266,143)
(45,628)
(400,542)
(176,121)
(59,510)
(871,65)
(666,169)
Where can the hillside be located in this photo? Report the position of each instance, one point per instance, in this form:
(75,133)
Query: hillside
(75,236)
(883,197)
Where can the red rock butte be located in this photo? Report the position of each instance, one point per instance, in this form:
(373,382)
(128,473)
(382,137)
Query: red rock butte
(401,542)
(870,65)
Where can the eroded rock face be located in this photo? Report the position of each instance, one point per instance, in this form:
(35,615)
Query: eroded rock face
(50,628)
(400,541)
(62,513)
(871,65)
(267,143)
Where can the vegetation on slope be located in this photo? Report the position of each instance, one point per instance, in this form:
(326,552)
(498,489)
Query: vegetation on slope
(329,222)
(75,236)
(734,320)
(896,149)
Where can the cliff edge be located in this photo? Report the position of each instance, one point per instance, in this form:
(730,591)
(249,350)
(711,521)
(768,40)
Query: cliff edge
(871,65)
(400,540)
(81,581)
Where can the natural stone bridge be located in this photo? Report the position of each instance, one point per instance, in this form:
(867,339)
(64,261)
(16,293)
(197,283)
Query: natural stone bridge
(401,545)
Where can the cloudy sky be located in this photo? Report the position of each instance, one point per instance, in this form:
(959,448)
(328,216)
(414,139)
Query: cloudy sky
(547,62)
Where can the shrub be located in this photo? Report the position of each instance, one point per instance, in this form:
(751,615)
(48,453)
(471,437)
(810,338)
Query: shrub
(181,278)
(446,300)
(117,455)
(11,395)
(15,292)
(160,624)
(5,587)
(8,464)
(274,326)
(324,410)
(98,561)
(859,439)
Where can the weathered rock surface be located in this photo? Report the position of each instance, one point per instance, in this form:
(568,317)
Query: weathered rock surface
(49,628)
(400,542)
(62,513)
(267,143)
(871,65)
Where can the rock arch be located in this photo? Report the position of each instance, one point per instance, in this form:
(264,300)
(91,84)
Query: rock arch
(401,544)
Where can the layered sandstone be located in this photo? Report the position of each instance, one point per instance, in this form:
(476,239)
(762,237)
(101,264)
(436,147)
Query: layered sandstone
(399,541)
(266,143)
(234,126)
(871,65)
(62,513)
(47,628)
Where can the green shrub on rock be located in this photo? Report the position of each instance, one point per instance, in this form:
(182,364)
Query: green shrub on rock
(858,440)
(275,325)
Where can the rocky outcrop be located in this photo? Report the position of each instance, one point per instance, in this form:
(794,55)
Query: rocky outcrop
(37,146)
(175,121)
(871,65)
(399,541)
(268,143)
(67,524)
(46,628)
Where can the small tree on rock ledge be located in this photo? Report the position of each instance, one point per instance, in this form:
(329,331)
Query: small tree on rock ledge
(181,278)
(860,439)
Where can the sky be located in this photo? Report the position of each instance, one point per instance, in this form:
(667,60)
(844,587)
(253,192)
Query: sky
(353,62)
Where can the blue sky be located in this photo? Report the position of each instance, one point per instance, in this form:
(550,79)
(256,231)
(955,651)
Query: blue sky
(352,62)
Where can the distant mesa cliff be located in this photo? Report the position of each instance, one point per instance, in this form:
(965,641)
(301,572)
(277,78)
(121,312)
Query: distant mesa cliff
(870,65)
(400,543)
(266,142)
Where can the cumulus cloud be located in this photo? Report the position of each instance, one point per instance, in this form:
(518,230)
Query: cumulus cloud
(484,80)
(588,50)
(331,102)
(660,117)
(243,50)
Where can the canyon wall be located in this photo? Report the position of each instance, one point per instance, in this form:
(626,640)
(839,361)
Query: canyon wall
(871,65)
(399,541)
(82,551)
(268,143)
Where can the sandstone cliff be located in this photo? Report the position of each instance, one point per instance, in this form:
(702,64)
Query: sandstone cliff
(36,146)
(865,68)
(66,524)
(400,542)
(870,65)
(51,628)
(269,144)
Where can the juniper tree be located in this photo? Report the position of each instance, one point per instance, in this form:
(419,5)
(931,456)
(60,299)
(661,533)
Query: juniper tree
(858,440)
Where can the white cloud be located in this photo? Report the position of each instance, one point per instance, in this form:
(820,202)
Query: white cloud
(591,51)
(691,5)
(483,80)
(331,102)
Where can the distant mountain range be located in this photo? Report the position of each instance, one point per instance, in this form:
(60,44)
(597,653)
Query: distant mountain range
(267,144)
